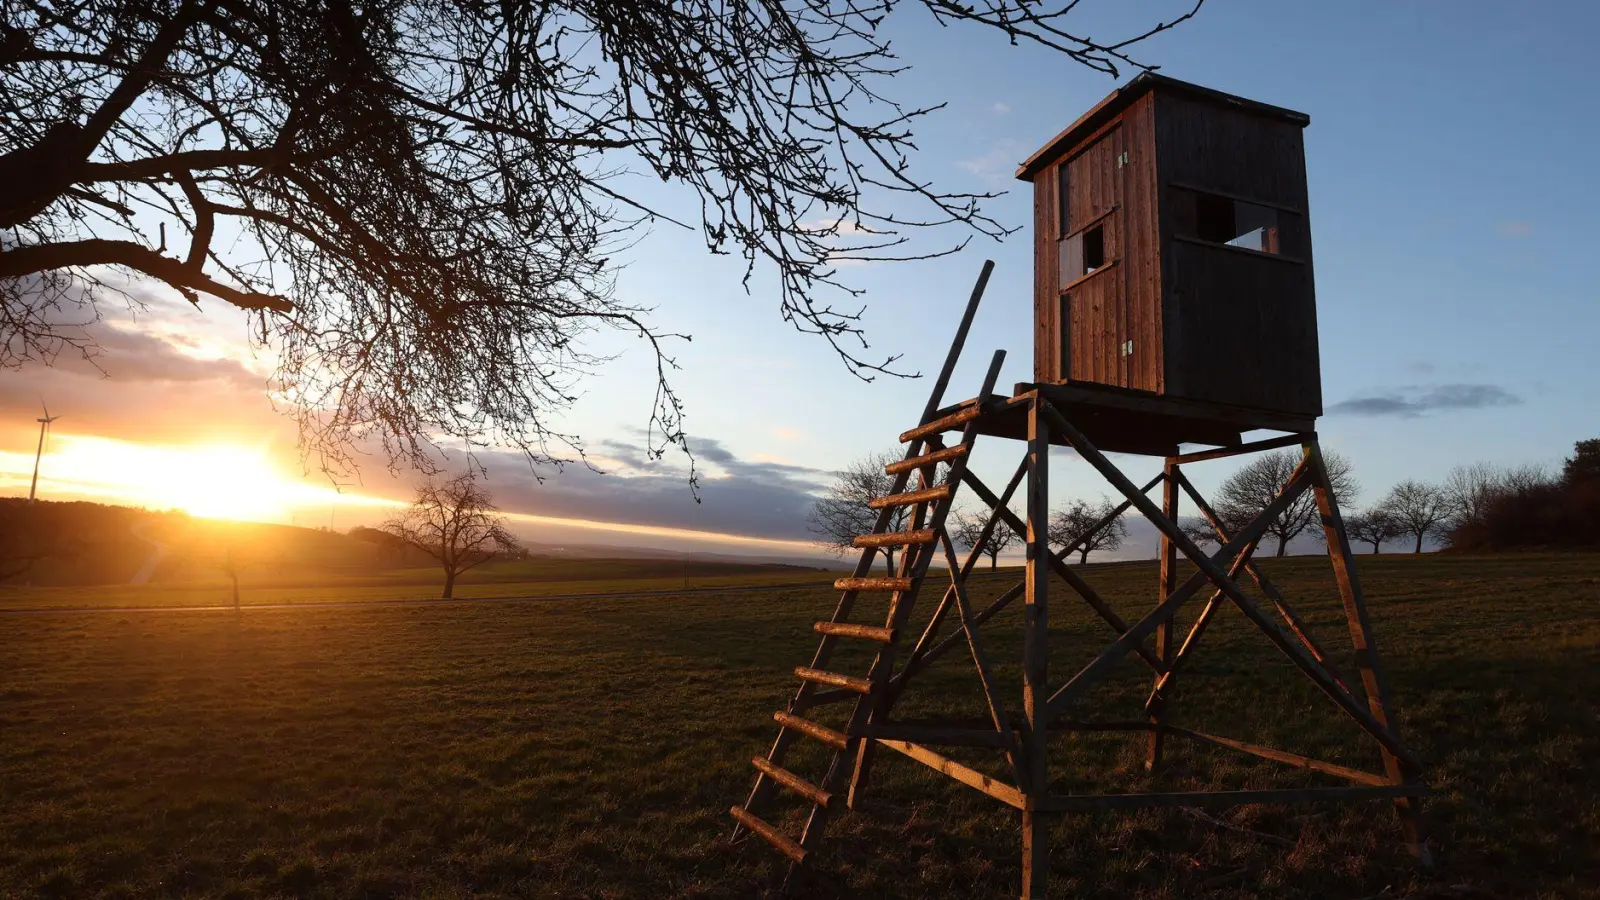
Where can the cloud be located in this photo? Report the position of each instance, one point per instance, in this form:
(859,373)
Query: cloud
(1515,228)
(997,166)
(748,497)
(1413,401)
(1000,108)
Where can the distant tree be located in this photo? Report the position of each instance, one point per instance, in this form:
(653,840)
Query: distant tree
(1251,489)
(842,514)
(1199,531)
(456,523)
(967,527)
(1419,509)
(1068,525)
(1583,467)
(1471,488)
(1373,527)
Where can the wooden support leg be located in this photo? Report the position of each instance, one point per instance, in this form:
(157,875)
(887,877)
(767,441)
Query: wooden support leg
(1373,679)
(1035,854)
(1169,583)
(1036,659)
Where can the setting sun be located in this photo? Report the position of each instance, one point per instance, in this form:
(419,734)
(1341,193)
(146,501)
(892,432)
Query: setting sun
(219,480)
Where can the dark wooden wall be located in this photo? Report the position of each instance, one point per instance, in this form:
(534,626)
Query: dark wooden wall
(1239,327)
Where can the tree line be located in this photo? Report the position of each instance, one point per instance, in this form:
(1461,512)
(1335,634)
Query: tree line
(1477,506)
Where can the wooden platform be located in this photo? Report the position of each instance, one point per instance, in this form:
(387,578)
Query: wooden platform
(1123,421)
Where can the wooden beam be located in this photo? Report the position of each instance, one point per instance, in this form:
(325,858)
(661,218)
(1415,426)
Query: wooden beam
(1288,440)
(1036,656)
(1279,602)
(936,395)
(1168,577)
(948,735)
(1090,673)
(1283,756)
(1073,803)
(972,778)
(1208,567)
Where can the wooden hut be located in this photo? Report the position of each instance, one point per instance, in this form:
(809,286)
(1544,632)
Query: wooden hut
(1172,260)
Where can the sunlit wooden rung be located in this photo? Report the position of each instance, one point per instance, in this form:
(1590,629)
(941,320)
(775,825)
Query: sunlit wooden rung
(812,730)
(792,781)
(940,426)
(896,538)
(872,584)
(847,629)
(937,492)
(927,459)
(833,679)
(771,835)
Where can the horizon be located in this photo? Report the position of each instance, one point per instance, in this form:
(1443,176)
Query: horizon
(1414,276)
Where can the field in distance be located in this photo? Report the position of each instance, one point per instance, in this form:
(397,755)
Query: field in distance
(592,748)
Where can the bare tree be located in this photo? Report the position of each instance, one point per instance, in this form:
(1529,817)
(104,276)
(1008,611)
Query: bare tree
(1373,527)
(454,522)
(1199,531)
(967,528)
(1419,509)
(1251,489)
(1074,522)
(842,514)
(417,201)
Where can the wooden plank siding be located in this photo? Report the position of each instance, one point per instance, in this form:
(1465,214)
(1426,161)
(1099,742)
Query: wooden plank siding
(1211,324)
(1240,327)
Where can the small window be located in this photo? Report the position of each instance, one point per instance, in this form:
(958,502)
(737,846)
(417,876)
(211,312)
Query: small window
(1094,249)
(1223,220)
(1081,254)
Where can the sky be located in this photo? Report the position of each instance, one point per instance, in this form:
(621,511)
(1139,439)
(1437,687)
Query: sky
(1453,213)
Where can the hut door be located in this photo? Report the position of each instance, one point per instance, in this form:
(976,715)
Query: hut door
(1092,343)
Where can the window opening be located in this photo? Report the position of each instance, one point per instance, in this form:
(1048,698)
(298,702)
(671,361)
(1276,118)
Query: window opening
(1224,220)
(1081,254)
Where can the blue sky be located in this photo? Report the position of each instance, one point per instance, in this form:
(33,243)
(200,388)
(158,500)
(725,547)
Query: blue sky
(1453,205)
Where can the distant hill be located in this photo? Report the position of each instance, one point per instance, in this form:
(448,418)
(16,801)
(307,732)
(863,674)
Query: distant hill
(51,543)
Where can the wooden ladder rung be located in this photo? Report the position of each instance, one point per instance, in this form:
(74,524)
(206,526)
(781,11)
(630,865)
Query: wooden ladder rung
(792,781)
(778,840)
(872,584)
(848,682)
(937,492)
(927,459)
(940,426)
(846,629)
(812,730)
(896,538)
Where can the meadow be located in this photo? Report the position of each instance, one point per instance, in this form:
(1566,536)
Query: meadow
(591,748)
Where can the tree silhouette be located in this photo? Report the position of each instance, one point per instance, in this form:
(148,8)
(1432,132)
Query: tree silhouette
(1072,523)
(454,522)
(1419,509)
(418,201)
(966,528)
(1257,483)
(842,514)
(1373,527)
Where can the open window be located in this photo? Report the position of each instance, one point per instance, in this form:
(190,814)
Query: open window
(1224,220)
(1083,253)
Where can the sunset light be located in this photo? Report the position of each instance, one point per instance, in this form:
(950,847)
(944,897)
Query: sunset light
(226,481)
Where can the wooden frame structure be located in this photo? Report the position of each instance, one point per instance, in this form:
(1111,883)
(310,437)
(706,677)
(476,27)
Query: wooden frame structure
(1023,736)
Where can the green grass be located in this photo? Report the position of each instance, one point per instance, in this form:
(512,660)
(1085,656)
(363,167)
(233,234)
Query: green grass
(263,585)
(590,748)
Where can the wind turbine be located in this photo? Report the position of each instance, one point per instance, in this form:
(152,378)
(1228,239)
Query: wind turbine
(44,426)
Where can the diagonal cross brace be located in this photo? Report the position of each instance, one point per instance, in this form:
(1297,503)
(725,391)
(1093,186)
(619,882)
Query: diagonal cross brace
(1089,674)
(1210,569)
(1290,617)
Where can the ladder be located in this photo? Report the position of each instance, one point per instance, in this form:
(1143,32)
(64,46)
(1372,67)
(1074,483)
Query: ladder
(930,503)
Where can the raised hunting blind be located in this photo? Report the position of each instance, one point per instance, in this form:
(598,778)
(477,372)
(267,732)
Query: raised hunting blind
(1173,305)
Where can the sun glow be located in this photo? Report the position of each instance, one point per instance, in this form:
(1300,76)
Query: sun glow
(218,480)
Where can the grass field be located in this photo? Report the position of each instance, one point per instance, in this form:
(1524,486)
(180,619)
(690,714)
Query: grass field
(590,748)
(261,586)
